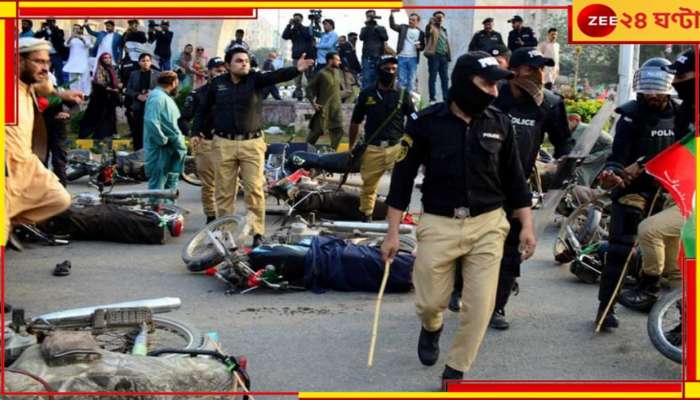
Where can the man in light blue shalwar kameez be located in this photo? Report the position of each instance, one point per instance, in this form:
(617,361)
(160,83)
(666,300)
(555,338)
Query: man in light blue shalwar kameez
(163,143)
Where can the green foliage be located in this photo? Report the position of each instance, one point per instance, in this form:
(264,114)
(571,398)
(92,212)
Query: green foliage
(74,123)
(585,108)
(181,96)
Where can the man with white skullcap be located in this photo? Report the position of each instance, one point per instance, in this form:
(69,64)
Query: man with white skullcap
(32,192)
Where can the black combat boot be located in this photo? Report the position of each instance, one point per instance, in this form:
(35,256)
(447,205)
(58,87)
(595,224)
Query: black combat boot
(498,320)
(450,374)
(610,320)
(643,296)
(210,219)
(257,240)
(429,346)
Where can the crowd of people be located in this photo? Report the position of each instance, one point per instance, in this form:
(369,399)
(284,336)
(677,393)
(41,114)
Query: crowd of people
(477,224)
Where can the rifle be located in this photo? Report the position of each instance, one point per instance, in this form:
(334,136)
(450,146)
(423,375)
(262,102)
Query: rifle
(359,149)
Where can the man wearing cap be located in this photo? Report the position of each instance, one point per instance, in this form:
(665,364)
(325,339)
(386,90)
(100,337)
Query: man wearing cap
(325,92)
(486,39)
(235,101)
(106,41)
(472,170)
(520,36)
(32,192)
(659,235)
(163,39)
(59,52)
(201,145)
(533,111)
(646,127)
(385,106)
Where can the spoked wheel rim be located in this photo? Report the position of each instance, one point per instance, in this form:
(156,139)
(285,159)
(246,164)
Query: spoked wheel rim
(201,253)
(665,325)
(189,172)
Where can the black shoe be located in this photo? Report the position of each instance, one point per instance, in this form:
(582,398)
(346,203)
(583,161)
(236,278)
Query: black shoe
(210,219)
(14,243)
(257,240)
(366,218)
(429,346)
(639,299)
(498,320)
(451,374)
(610,320)
(455,302)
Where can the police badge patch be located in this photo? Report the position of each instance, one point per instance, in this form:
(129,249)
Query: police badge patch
(406,144)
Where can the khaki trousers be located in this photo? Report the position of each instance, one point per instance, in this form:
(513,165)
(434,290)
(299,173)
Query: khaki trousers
(244,158)
(204,160)
(659,240)
(478,242)
(375,161)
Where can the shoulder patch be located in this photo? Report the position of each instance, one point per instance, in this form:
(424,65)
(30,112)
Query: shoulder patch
(370,101)
(406,144)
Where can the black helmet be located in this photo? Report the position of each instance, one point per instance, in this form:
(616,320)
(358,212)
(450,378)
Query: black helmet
(653,77)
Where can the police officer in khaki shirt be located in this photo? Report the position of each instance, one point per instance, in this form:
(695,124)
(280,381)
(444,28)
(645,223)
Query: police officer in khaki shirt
(238,145)
(472,171)
(385,106)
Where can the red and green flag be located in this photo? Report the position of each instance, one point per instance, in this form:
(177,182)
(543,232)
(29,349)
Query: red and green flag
(675,169)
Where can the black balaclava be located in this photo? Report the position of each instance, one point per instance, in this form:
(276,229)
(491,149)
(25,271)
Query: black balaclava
(469,97)
(386,78)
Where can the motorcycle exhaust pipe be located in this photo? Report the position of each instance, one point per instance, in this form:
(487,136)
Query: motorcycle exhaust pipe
(170,194)
(349,226)
(160,305)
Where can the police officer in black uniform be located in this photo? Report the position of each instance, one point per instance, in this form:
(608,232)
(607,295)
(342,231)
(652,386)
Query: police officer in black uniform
(472,170)
(385,105)
(533,111)
(645,128)
(520,36)
(202,146)
(486,39)
(238,144)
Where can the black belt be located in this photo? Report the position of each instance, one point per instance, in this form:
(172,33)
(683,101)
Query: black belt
(460,212)
(239,136)
(385,143)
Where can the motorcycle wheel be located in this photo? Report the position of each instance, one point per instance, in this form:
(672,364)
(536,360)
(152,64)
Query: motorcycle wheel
(584,222)
(189,172)
(200,253)
(665,316)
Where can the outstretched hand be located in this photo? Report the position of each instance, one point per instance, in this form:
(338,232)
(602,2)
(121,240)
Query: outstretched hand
(304,63)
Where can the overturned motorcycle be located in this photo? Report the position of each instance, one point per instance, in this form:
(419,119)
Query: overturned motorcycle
(331,255)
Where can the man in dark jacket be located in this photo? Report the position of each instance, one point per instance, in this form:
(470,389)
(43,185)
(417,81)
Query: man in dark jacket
(373,35)
(437,50)
(408,48)
(140,84)
(302,42)
(520,36)
(51,32)
(163,39)
(486,39)
(348,54)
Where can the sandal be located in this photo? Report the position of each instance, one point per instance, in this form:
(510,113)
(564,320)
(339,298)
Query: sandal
(62,269)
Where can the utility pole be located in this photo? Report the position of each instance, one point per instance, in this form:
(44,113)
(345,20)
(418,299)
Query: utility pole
(625,72)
